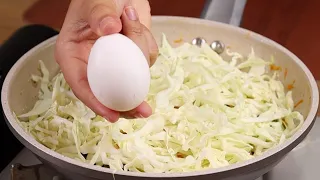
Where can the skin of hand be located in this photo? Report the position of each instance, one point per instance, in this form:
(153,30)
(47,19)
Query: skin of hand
(85,22)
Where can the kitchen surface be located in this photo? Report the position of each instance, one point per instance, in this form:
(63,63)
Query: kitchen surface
(301,163)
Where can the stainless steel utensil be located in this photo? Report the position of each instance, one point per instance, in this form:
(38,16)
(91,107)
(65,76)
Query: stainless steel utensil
(216,45)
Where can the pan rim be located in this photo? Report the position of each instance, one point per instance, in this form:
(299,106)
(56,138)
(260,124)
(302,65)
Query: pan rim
(307,125)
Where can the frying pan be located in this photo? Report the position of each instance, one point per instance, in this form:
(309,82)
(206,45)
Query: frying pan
(19,95)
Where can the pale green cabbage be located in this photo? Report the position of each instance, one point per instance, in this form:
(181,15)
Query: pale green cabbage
(208,113)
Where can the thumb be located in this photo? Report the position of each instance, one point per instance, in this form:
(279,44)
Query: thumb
(103,17)
(133,29)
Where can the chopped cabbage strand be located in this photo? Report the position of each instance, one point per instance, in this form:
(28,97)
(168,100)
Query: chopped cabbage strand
(208,113)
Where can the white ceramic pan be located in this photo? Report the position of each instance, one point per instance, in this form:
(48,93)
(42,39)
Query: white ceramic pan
(19,95)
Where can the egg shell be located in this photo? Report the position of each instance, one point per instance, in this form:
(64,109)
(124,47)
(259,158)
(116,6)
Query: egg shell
(118,72)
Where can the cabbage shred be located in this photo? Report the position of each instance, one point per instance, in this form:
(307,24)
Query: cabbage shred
(208,113)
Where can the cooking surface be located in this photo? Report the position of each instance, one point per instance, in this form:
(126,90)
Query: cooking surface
(300,164)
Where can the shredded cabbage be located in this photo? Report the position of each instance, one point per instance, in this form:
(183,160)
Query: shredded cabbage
(208,113)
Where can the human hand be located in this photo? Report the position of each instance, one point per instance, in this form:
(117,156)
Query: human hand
(85,22)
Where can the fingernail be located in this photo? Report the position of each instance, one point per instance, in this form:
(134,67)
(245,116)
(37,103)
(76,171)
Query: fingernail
(107,24)
(131,13)
(108,119)
(104,23)
(105,117)
(138,116)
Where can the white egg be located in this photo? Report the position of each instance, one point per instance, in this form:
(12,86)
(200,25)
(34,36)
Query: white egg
(118,72)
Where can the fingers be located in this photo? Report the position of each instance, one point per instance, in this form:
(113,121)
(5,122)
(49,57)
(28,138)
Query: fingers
(75,73)
(152,45)
(143,10)
(142,111)
(103,17)
(138,33)
(132,28)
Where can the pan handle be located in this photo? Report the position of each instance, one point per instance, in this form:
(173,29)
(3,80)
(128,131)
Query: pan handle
(35,172)
(20,172)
